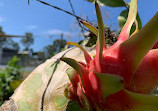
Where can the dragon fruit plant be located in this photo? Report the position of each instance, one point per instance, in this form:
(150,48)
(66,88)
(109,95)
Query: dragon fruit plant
(119,78)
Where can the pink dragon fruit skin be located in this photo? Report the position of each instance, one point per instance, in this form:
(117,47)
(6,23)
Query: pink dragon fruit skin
(121,77)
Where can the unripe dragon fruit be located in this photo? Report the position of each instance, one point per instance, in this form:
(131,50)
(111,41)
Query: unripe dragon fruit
(119,78)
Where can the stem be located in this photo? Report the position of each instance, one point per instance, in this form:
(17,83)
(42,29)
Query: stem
(59,9)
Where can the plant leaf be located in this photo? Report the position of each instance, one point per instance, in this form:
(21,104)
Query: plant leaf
(123,18)
(74,64)
(86,55)
(60,102)
(73,76)
(70,73)
(144,102)
(130,20)
(135,48)
(111,3)
(74,106)
(101,35)
(14,84)
(90,27)
(91,41)
(146,72)
(109,83)
(84,100)
(30,94)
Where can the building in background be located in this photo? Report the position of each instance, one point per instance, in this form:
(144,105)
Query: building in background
(6,55)
(27,58)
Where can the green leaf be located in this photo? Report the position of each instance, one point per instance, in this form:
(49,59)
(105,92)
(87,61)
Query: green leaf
(140,44)
(30,96)
(70,73)
(90,27)
(91,41)
(14,84)
(144,102)
(123,18)
(73,63)
(125,32)
(60,102)
(74,106)
(66,91)
(86,55)
(109,83)
(101,35)
(76,65)
(86,102)
(111,3)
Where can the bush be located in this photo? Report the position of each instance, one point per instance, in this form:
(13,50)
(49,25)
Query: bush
(8,77)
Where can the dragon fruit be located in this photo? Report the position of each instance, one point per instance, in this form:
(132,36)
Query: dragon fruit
(119,78)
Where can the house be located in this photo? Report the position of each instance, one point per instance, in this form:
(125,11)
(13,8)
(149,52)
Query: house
(6,55)
(27,58)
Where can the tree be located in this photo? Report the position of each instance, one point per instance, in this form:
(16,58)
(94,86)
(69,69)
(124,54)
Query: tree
(15,45)
(27,41)
(2,39)
(48,51)
(8,42)
(40,55)
(56,47)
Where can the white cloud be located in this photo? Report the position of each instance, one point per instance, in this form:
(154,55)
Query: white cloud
(2,19)
(31,27)
(57,32)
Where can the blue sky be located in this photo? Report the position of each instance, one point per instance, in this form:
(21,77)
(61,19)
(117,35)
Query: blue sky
(17,17)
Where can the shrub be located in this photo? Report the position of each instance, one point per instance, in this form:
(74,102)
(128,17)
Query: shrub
(8,76)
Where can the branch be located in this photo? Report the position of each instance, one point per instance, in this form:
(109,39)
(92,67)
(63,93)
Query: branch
(60,9)
(82,29)
(4,35)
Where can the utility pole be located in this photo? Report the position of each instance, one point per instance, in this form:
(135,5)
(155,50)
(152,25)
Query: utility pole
(60,42)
